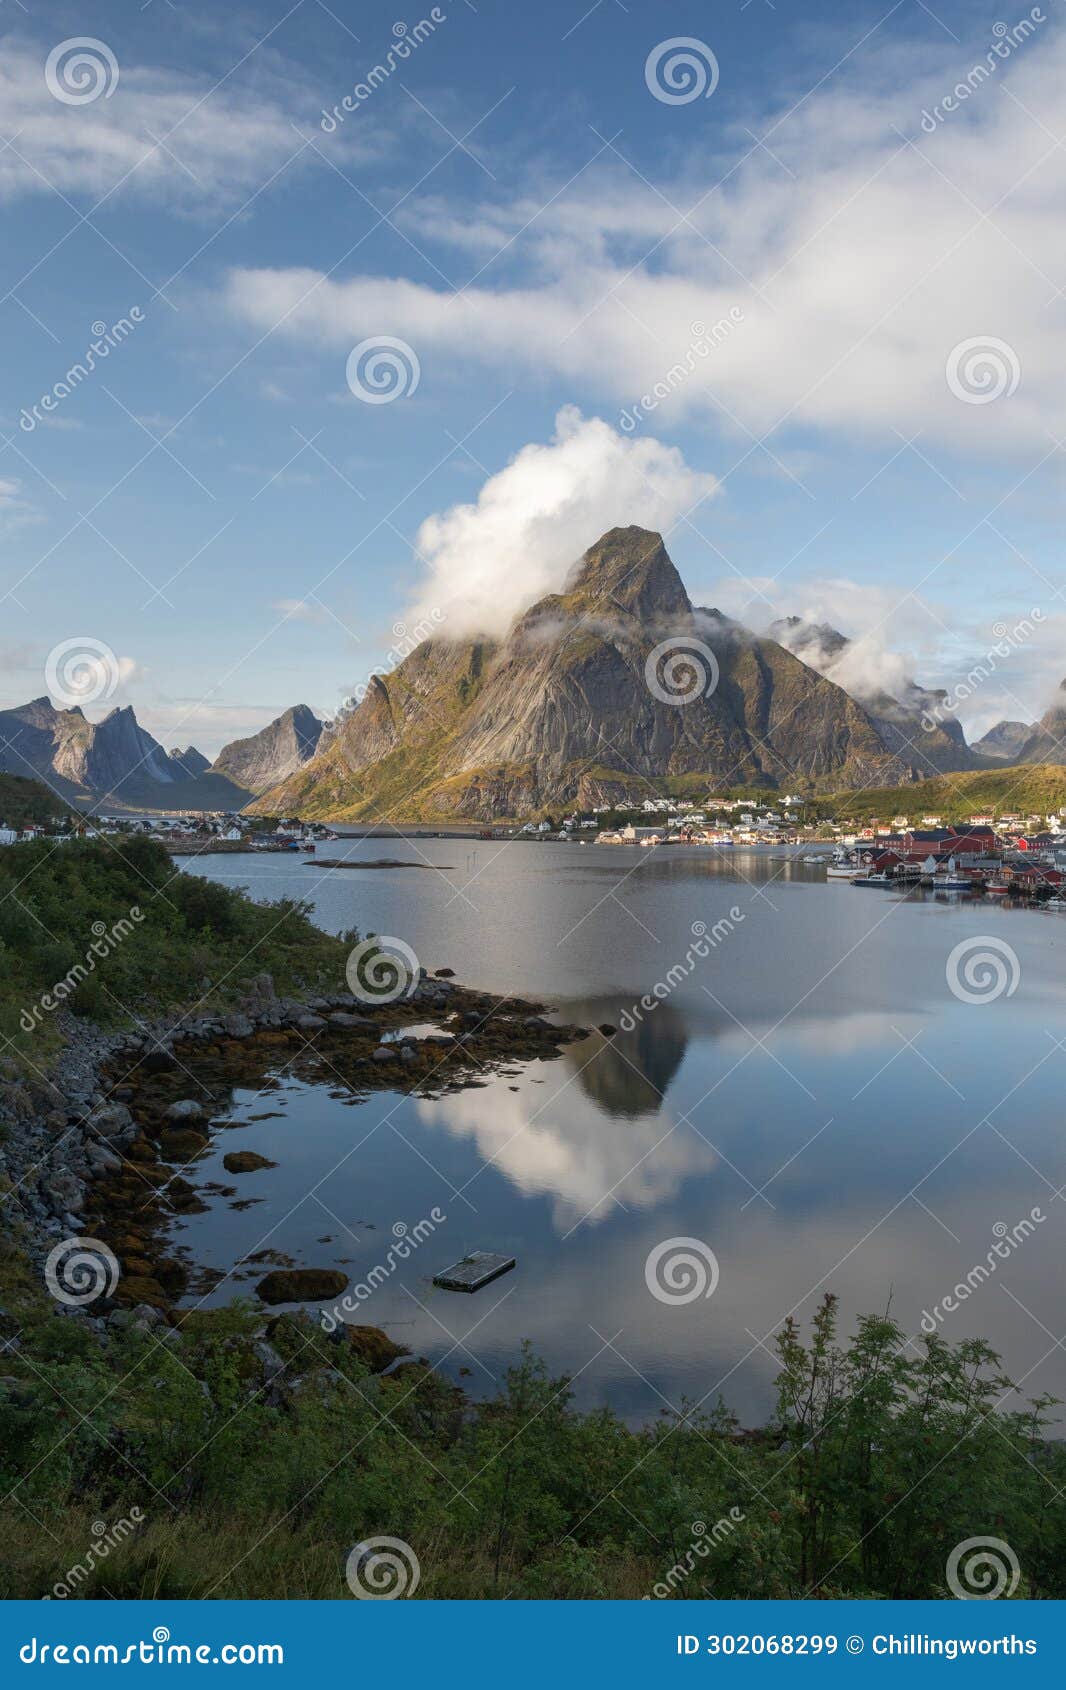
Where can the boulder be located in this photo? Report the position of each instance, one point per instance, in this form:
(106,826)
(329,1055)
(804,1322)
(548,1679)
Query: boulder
(183,1145)
(103,1160)
(384,1053)
(134,1290)
(268,1358)
(355,1023)
(373,1346)
(300,1285)
(64,1192)
(145,1315)
(245,1162)
(261,994)
(159,1060)
(187,1110)
(238,1027)
(111,1121)
(310,1023)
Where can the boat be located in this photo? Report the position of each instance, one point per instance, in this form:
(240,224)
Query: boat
(1055,904)
(880,878)
(951,881)
(997,887)
(813,859)
(843,871)
(307,847)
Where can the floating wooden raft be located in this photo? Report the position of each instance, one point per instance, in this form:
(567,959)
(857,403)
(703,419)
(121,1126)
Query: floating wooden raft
(474,1271)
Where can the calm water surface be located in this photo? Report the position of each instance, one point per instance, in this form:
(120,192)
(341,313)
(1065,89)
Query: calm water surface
(812,1101)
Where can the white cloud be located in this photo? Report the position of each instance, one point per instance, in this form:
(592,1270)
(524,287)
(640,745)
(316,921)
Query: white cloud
(298,610)
(15,510)
(532,521)
(859,262)
(159,130)
(1004,666)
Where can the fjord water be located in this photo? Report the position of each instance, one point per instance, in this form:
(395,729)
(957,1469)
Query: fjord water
(811,1100)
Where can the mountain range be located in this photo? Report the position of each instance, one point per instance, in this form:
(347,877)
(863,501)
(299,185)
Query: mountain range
(561,710)
(596,695)
(117,761)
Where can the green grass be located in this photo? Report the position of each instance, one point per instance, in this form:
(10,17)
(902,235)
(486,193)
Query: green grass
(876,1462)
(181,940)
(1029,788)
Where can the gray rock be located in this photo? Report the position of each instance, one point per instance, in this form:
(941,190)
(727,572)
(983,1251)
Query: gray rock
(187,1110)
(64,1192)
(384,1053)
(238,1027)
(159,1060)
(272,1363)
(145,1315)
(260,996)
(357,1023)
(102,1160)
(310,1023)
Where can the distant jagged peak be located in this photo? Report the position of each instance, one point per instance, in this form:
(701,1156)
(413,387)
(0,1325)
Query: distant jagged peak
(817,643)
(274,753)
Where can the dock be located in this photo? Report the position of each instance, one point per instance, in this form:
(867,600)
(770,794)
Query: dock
(479,1268)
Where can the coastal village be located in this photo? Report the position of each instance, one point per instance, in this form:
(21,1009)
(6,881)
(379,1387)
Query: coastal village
(1009,853)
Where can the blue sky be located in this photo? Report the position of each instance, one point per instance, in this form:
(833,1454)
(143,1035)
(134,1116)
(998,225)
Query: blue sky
(547,237)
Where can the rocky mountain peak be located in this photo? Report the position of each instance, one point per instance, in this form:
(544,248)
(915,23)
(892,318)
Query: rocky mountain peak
(273,754)
(630,569)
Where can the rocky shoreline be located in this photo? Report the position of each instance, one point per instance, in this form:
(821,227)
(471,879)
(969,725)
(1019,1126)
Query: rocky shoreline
(102,1147)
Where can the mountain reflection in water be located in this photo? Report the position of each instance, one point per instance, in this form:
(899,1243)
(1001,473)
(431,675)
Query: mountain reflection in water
(813,1102)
